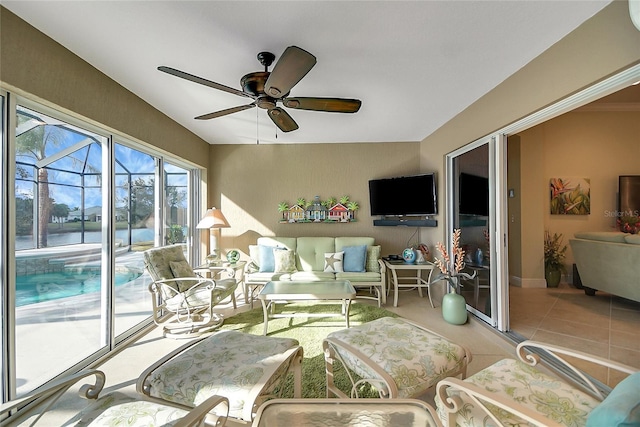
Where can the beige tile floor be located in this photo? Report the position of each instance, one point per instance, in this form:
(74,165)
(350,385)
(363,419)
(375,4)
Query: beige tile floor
(564,316)
(602,325)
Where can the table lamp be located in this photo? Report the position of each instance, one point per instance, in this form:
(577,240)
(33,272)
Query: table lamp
(214,220)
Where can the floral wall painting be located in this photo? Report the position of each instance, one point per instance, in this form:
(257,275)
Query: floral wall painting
(570,196)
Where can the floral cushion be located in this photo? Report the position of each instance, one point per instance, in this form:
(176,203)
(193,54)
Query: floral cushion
(413,357)
(238,366)
(285,261)
(529,387)
(119,409)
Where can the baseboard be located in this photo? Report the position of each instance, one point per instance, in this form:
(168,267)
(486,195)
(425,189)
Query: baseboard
(527,283)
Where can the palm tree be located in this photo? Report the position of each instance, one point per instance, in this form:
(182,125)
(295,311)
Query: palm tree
(353,207)
(33,142)
(283,207)
(330,202)
(344,200)
(301,202)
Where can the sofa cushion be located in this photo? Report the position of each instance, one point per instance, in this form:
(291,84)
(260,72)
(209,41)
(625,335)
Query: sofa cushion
(333,262)
(310,252)
(341,242)
(633,239)
(266,277)
(354,258)
(621,407)
(285,261)
(312,276)
(373,255)
(603,236)
(359,277)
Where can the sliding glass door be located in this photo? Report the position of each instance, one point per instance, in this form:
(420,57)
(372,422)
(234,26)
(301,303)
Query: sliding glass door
(474,172)
(82,207)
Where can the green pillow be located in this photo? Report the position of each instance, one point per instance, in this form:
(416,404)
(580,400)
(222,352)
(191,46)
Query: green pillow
(373,255)
(621,408)
(181,269)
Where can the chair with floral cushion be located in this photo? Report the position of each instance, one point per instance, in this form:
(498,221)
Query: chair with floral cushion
(111,409)
(244,368)
(521,392)
(399,358)
(177,290)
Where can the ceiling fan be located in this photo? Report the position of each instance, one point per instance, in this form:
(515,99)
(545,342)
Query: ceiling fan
(267,89)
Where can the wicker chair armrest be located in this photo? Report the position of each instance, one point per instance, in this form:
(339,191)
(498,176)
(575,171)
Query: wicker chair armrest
(481,397)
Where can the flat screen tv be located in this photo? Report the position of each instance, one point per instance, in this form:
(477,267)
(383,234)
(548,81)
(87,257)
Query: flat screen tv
(406,195)
(629,195)
(474,195)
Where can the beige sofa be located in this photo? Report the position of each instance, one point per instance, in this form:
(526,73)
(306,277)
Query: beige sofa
(608,262)
(306,256)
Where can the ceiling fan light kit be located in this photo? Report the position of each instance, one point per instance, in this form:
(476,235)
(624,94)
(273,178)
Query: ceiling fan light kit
(268,88)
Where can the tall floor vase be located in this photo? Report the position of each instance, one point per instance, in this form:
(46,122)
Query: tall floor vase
(454,309)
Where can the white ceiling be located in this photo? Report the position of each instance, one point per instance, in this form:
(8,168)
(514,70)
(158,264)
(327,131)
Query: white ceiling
(414,64)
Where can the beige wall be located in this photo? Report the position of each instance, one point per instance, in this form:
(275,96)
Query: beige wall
(604,45)
(595,145)
(251,180)
(33,64)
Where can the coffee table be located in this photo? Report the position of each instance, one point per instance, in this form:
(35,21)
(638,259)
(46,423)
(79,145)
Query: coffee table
(338,290)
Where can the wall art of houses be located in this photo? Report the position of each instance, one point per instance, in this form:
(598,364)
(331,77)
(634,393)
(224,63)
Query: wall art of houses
(570,196)
(331,210)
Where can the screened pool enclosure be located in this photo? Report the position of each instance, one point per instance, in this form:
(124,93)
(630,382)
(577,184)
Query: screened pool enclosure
(86,203)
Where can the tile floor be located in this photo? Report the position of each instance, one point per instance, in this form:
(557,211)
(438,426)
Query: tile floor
(602,325)
(607,326)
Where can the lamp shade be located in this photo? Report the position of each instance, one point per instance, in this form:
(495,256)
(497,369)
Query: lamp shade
(213,218)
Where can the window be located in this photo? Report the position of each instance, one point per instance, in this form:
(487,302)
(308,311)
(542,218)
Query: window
(86,204)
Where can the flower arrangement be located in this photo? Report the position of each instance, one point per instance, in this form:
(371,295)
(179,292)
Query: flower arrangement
(451,266)
(554,251)
(629,224)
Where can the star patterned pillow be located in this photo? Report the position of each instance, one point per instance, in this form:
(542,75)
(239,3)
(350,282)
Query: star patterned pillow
(333,262)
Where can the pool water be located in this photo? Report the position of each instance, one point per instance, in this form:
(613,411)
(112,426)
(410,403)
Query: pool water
(34,288)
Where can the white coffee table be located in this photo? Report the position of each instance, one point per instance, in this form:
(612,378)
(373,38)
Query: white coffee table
(338,290)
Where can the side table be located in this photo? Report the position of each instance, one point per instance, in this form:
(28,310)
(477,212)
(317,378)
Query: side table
(226,271)
(415,281)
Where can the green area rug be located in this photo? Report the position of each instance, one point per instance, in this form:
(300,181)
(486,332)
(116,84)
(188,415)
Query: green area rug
(309,331)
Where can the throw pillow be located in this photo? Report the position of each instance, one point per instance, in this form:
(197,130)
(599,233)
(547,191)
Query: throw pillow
(333,262)
(182,269)
(354,258)
(267,263)
(373,255)
(285,261)
(621,407)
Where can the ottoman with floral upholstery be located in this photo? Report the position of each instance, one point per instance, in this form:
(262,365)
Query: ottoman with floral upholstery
(399,358)
(244,368)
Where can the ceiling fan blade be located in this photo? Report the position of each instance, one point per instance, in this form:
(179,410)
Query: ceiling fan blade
(202,81)
(282,119)
(292,66)
(225,112)
(334,105)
